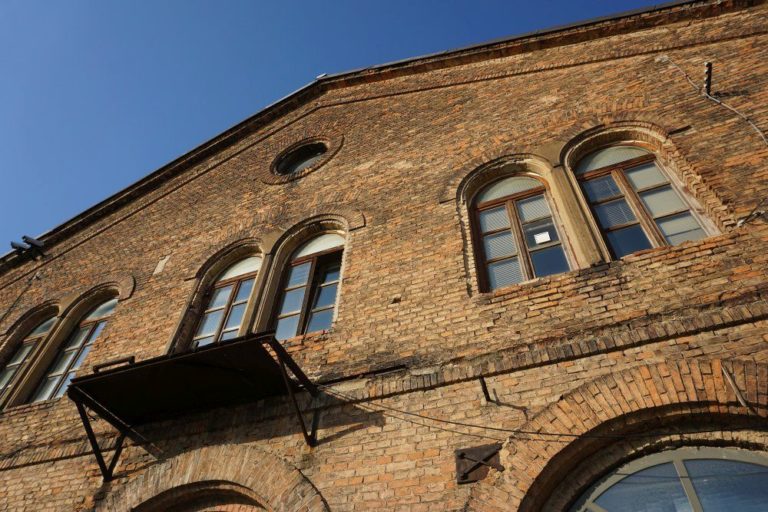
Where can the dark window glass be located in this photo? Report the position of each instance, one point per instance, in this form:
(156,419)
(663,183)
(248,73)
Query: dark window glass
(301,158)
(627,240)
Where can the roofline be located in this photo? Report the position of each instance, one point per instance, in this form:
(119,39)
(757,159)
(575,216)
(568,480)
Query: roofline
(324,82)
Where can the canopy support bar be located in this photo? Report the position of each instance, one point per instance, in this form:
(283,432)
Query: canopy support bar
(106,470)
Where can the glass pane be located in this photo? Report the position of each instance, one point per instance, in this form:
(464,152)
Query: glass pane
(614,213)
(292,301)
(65,385)
(244,291)
(210,323)
(46,389)
(493,219)
(228,335)
(646,175)
(503,273)
(507,187)
(549,261)
(5,377)
(203,341)
(77,337)
(242,267)
(601,188)
(320,320)
(319,244)
(105,309)
(220,297)
(541,232)
(627,240)
(42,328)
(235,316)
(662,201)
(533,208)
(655,489)
(326,296)
(499,244)
(609,156)
(286,327)
(21,354)
(331,274)
(96,331)
(729,485)
(680,228)
(62,362)
(81,357)
(298,275)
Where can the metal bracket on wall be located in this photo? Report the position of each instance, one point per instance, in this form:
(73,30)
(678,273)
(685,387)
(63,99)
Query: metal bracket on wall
(472,464)
(107,470)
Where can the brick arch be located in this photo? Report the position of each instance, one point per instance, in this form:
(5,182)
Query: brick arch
(616,404)
(262,478)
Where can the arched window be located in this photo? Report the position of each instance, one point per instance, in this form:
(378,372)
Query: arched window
(310,286)
(517,237)
(226,303)
(635,204)
(20,357)
(686,479)
(73,352)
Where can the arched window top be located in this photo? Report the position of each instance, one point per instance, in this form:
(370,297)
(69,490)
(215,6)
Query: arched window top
(507,187)
(247,265)
(20,357)
(43,328)
(102,310)
(609,156)
(686,479)
(318,244)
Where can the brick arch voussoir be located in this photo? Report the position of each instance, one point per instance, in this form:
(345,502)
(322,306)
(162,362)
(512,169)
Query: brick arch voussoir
(277,485)
(699,385)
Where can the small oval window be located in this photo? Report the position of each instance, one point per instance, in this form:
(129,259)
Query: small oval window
(300,158)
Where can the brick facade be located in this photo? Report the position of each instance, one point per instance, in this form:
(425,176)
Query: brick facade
(585,369)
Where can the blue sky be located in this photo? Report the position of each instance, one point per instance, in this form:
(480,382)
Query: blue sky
(96,94)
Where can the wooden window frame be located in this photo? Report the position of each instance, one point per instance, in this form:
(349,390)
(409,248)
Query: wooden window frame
(315,271)
(236,282)
(516,228)
(645,219)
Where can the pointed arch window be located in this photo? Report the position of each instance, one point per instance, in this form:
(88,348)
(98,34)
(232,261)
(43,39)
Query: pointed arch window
(20,357)
(227,302)
(73,352)
(310,287)
(517,236)
(635,204)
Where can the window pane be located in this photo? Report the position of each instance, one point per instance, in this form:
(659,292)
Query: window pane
(286,327)
(655,489)
(46,389)
(493,219)
(541,232)
(503,273)
(627,240)
(609,156)
(298,275)
(244,291)
(42,328)
(228,335)
(81,357)
(646,175)
(220,297)
(331,274)
(5,377)
(77,337)
(235,316)
(729,485)
(96,331)
(105,309)
(614,213)
(61,364)
(21,354)
(549,261)
(601,188)
(326,296)
(203,341)
(319,244)
(507,187)
(320,321)
(210,323)
(242,267)
(662,201)
(292,301)
(499,245)
(680,228)
(533,208)
(65,385)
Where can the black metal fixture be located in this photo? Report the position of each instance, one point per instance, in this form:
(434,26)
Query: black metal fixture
(472,464)
(29,247)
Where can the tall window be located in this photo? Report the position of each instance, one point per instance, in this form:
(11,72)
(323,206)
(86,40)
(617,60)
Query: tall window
(19,358)
(634,202)
(226,303)
(310,286)
(73,352)
(683,480)
(518,239)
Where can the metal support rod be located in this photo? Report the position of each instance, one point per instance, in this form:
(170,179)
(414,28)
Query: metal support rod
(107,471)
(283,356)
(486,394)
(708,78)
(737,391)
(309,437)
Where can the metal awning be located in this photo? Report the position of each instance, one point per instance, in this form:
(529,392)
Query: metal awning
(224,374)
